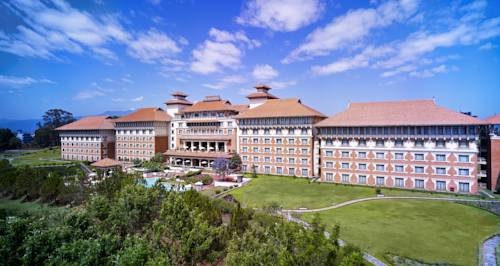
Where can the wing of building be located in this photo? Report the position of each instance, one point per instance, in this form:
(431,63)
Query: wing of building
(88,139)
(142,134)
(403,144)
(490,150)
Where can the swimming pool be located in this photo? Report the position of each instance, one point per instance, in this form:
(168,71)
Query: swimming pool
(151,181)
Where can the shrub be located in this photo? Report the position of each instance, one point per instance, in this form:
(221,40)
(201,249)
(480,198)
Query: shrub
(378,191)
(206,180)
(217,191)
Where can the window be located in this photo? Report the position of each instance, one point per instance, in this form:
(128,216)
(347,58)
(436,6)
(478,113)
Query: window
(255,149)
(291,171)
(345,178)
(279,159)
(399,182)
(304,161)
(345,142)
(291,160)
(463,171)
(305,172)
(255,132)
(399,168)
(441,170)
(255,158)
(291,141)
(441,185)
(362,166)
(380,167)
(345,165)
(244,158)
(398,156)
(303,141)
(329,153)
(463,144)
(303,131)
(398,143)
(329,176)
(362,154)
(441,157)
(440,143)
(345,154)
(267,131)
(419,169)
(362,179)
(419,156)
(380,155)
(279,170)
(419,143)
(304,151)
(267,169)
(279,150)
(267,150)
(329,165)
(362,143)
(278,131)
(279,141)
(255,140)
(379,143)
(380,180)
(291,150)
(291,131)
(267,141)
(463,158)
(267,159)
(419,183)
(463,187)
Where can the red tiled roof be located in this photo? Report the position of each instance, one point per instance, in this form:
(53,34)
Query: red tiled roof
(179,93)
(398,113)
(178,101)
(212,103)
(106,162)
(494,120)
(89,123)
(280,108)
(145,114)
(257,95)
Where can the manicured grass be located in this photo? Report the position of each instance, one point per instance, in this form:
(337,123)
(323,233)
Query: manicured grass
(17,207)
(431,231)
(37,158)
(294,193)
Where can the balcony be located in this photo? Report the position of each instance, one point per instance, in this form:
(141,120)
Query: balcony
(481,173)
(482,160)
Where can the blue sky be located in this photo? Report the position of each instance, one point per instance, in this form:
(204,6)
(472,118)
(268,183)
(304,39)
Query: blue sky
(88,57)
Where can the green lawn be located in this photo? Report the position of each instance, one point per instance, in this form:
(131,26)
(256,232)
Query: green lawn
(294,193)
(16,207)
(426,230)
(35,158)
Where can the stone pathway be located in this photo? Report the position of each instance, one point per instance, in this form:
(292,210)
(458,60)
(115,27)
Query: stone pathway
(383,198)
(489,251)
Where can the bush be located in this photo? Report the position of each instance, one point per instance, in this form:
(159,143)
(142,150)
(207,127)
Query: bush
(192,173)
(217,191)
(378,191)
(206,180)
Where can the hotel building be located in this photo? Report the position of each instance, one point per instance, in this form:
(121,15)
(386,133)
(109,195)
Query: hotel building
(276,136)
(202,132)
(403,144)
(88,139)
(491,142)
(142,134)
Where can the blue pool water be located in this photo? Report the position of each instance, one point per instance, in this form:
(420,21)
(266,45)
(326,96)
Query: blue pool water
(151,181)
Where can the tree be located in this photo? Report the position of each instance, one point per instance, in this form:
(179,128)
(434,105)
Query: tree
(46,135)
(158,158)
(15,143)
(6,136)
(235,162)
(221,166)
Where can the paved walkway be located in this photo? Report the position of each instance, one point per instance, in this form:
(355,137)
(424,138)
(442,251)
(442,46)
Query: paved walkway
(489,251)
(383,198)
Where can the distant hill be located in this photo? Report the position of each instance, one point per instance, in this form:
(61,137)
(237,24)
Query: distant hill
(26,125)
(29,125)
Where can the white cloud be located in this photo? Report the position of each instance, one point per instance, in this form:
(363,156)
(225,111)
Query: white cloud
(138,99)
(88,94)
(280,15)
(431,72)
(223,51)
(152,46)
(282,84)
(264,72)
(487,46)
(348,29)
(17,82)
(226,81)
